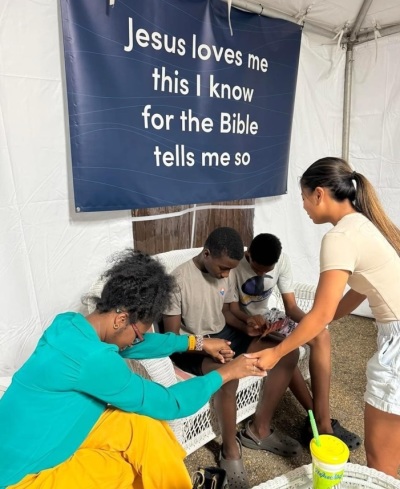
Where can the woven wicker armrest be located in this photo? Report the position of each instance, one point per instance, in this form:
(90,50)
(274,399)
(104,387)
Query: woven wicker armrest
(304,294)
(160,370)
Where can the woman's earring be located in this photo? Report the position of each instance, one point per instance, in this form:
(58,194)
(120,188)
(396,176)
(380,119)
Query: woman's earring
(118,311)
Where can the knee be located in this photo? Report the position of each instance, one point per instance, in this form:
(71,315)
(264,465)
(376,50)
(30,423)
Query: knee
(145,423)
(290,360)
(322,340)
(133,423)
(294,357)
(230,388)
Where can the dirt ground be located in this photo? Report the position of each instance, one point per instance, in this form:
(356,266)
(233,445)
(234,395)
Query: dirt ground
(353,343)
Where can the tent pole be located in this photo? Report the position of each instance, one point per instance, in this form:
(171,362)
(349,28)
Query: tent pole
(359,20)
(385,31)
(259,9)
(348,75)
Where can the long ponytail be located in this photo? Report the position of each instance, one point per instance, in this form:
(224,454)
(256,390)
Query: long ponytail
(344,183)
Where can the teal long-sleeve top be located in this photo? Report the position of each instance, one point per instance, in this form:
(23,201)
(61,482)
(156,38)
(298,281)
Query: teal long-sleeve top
(57,396)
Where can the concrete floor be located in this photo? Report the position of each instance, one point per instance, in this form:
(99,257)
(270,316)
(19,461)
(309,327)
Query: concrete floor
(353,343)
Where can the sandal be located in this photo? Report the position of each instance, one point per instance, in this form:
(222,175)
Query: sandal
(235,471)
(276,442)
(352,440)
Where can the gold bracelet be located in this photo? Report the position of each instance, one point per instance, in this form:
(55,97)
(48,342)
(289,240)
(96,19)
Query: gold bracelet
(192,343)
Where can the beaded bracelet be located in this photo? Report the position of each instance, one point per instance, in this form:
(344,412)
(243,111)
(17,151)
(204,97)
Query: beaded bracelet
(199,343)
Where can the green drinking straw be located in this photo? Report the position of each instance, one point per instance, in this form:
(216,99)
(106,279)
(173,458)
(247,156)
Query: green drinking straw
(314,428)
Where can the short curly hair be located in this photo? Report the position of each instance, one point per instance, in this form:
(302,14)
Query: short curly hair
(138,284)
(265,249)
(225,241)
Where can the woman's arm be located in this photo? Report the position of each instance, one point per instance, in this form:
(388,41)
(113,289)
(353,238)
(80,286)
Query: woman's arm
(217,348)
(327,297)
(350,301)
(105,376)
(156,345)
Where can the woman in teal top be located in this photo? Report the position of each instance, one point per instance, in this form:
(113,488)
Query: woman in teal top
(75,396)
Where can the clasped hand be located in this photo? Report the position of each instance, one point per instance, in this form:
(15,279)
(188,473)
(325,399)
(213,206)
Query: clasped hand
(265,359)
(259,326)
(218,349)
(255,325)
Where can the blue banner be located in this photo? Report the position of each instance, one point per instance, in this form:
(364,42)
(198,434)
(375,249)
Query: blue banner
(166,107)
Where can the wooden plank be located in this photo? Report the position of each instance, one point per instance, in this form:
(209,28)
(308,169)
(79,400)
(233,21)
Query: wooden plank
(174,233)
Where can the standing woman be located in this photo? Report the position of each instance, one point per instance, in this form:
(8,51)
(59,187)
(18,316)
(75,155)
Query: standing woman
(75,416)
(362,251)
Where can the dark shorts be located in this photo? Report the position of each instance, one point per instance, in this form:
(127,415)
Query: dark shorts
(191,362)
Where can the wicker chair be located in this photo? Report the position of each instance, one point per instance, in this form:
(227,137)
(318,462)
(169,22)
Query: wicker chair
(196,430)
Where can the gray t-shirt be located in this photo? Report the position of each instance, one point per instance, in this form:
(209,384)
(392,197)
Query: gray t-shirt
(199,299)
(252,291)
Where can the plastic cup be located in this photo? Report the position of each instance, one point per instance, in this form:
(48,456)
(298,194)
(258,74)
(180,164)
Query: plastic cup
(328,461)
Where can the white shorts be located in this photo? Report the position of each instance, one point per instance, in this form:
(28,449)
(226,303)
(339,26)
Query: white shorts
(383,370)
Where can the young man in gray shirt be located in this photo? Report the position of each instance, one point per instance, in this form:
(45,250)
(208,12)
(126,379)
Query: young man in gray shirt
(203,285)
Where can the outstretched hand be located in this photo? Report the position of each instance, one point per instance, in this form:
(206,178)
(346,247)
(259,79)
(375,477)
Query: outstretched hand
(218,349)
(265,359)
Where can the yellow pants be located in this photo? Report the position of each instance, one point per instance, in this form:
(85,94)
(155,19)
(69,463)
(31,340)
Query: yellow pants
(123,450)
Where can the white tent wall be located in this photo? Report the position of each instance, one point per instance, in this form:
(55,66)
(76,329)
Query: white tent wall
(375,122)
(49,255)
(316,132)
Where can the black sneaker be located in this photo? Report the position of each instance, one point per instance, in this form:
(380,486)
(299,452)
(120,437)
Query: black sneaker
(352,440)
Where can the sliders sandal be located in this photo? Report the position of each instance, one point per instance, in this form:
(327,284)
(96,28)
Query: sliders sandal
(235,471)
(352,440)
(276,442)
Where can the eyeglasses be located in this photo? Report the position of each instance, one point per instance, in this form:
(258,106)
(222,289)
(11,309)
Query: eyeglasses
(139,337)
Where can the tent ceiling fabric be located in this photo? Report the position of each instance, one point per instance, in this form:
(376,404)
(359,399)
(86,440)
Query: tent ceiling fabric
(331,15)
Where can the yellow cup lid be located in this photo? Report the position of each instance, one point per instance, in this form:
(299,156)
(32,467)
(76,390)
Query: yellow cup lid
(332,450)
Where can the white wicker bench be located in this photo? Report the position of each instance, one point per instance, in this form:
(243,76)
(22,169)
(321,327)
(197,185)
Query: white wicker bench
(198,429)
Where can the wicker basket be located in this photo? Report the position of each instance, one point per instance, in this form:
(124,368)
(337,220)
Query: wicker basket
(354,476)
